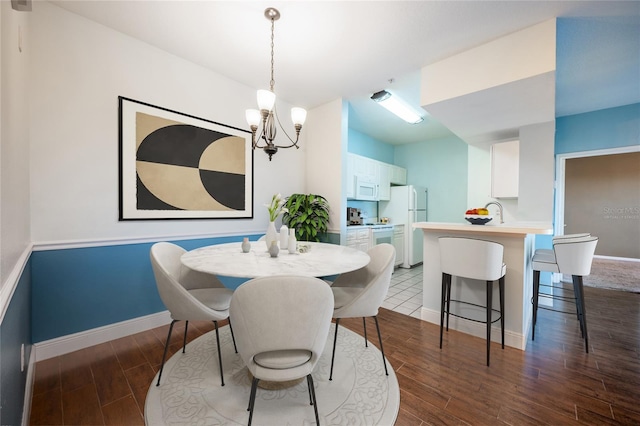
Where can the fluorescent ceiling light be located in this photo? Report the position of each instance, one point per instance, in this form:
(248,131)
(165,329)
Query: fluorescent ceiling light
(397,106)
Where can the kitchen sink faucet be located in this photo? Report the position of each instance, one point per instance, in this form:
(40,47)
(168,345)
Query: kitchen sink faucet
(501,212)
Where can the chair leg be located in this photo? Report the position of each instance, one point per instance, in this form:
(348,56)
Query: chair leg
(232,336)
(364,325)
(333,354)
(164,355)
(381,348)
(489,306)
(309,389)
(312,391)
(579,315)
(184,341)
(501,289)
(536,294)
(449,278)
(443,296)
(252,398)
(219,352)
(579,285)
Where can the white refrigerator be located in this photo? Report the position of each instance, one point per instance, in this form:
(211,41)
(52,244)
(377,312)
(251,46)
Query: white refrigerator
(407,205)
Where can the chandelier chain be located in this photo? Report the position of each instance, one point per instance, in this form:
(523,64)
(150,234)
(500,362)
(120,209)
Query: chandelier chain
(272,82)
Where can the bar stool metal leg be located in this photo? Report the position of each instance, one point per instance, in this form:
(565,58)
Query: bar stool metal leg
(577,280)
(442,305)
(489,300)
(501,288)
(536,293)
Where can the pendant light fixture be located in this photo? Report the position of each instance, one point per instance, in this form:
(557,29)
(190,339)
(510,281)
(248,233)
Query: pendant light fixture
(267,114)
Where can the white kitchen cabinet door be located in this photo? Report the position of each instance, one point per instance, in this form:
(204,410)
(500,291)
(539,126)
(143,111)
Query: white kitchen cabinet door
(358,239)
(398,243)
(384,188)
(505,166)
(366,167)
(398,175)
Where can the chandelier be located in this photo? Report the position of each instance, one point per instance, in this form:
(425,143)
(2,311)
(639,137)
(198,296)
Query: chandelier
(267,115)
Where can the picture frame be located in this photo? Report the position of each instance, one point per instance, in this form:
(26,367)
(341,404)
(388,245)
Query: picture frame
(177,166)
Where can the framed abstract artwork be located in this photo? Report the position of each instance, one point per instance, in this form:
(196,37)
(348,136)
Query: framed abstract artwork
(177,166)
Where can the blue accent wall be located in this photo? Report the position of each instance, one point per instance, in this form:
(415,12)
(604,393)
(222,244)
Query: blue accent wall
(607,128)
(15,330)
(80,289)
(366,146)
(442,167)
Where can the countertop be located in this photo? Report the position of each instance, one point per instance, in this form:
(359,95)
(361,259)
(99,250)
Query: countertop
(515,228)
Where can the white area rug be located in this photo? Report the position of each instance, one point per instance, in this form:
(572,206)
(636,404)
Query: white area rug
(190,392)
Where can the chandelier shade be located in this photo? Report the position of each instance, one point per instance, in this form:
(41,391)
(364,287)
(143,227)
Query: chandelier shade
(265,117)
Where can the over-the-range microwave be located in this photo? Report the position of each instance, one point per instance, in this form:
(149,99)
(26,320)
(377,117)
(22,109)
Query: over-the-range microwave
(366,189)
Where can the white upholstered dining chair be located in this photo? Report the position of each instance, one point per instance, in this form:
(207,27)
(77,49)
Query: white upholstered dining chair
(188,295)
(282,324)
(360,293)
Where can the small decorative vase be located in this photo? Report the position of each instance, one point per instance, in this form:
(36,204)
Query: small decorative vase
(284,237)
(246,245)
(272,234)
(273,249)
(291,244)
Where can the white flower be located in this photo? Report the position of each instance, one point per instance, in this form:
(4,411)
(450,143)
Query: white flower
(276,207)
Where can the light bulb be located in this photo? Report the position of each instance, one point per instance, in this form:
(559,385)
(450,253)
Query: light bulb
(298,115)
(253,117)
(266,99)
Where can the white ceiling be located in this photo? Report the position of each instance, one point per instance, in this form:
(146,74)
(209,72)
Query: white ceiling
(350,49)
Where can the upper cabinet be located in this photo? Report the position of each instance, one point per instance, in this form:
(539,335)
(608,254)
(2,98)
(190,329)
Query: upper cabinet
(384,185)
(365,167)
(382,174)
(505,158)
(398,175)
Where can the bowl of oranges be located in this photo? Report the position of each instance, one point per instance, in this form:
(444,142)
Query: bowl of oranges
(478,216)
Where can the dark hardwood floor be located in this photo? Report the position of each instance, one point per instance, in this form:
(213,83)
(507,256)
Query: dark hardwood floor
(553,382)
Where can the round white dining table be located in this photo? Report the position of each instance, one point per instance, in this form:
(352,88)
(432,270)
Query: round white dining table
(319,260)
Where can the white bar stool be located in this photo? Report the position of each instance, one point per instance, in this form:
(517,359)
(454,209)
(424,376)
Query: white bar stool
(478,260)
(561,237)
(571,256)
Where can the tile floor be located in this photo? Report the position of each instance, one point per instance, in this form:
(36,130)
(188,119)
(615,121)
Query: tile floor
(405,291)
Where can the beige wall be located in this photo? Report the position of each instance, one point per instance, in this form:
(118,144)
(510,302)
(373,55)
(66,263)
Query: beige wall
(602,196)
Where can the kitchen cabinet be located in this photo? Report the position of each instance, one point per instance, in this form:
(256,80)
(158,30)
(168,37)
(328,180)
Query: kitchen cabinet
(384,185)
(367,167)
(398,243)
(383,174)
(358,239)
(398,175)
(505,159)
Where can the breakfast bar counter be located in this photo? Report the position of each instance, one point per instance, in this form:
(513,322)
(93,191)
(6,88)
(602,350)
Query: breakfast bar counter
(518,239)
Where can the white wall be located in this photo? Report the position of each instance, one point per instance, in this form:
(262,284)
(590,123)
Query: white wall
(536,179)
(78,70)
(327,129)
(520,55)
(14,146)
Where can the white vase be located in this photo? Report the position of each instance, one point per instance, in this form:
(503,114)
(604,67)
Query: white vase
(284,237)
(292,244)
(272,234)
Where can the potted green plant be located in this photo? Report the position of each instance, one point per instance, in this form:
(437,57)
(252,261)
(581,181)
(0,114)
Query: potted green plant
(308,214)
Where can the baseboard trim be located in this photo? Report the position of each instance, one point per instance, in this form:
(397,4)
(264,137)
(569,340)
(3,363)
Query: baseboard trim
(84,339)
(511,338)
